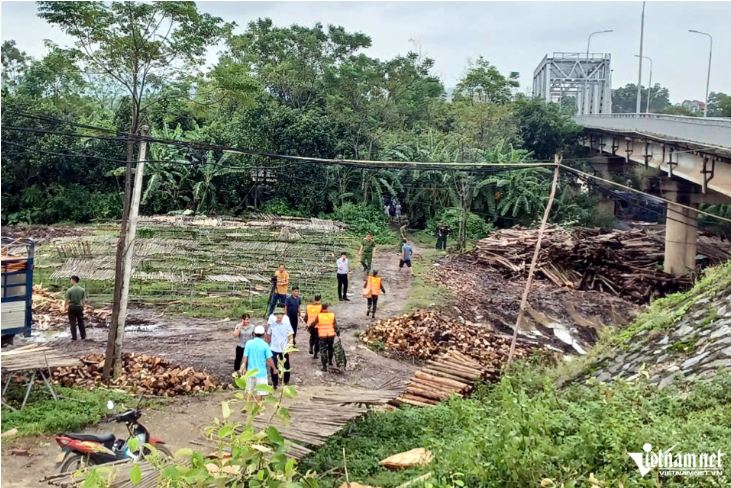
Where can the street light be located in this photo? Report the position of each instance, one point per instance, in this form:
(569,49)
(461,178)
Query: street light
(649,84)
(708,79)
(639,75)
(588,44)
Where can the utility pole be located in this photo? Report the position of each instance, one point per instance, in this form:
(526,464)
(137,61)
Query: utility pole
(708,78)
(115,339)
(649,83)
(639,76)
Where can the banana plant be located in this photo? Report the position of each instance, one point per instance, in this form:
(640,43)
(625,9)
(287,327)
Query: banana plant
(204,191)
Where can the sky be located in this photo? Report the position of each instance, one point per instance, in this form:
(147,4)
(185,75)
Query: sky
(514,36)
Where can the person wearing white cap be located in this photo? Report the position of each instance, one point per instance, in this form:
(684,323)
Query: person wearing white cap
(257,356)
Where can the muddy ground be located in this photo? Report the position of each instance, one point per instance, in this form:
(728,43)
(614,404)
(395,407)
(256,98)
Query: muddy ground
(208,345)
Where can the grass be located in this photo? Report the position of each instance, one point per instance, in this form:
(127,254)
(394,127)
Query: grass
(75,409)
(426,292)
(524,432)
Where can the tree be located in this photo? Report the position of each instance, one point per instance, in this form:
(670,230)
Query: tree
(719,105)
(681,110)
(139,46)
(484,83)
(624,99)
(14,63)
(545,128)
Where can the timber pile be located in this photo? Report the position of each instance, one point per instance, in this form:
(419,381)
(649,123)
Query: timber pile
(427,334)
(450,374)
(142,375)
(623,263)
(49,312)
(34,356)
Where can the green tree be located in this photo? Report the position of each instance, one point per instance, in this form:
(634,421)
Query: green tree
(14,62)
(484,83)
(678,109)
(624,99)
(719,105)
(545,128)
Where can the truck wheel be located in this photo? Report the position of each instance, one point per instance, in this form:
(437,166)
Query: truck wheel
(7,340)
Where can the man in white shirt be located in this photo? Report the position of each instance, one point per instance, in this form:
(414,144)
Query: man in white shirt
(280,336)
(343,277)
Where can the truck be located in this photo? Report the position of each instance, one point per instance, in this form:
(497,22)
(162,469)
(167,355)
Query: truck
(16,265)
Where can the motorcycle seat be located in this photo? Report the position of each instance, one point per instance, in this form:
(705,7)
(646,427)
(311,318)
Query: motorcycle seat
(106,439)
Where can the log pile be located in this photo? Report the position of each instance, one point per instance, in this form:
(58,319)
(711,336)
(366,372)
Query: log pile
(142,374)
(49,312)
(427,334)
(623,263)
(449,374)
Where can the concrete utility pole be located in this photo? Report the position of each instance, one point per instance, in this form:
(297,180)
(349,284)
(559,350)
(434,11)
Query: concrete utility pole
(708,78)
(639,76)
(649,84)
(117,336)
(588,44)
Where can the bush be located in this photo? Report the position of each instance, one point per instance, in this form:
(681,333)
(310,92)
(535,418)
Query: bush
(477,228)
(364,218)
(279,206)
(523,431)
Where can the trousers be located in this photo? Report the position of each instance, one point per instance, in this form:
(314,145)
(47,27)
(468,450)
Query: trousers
(239,358)
(314,342)
(76,318)
(279,356)
(372,302)
(366,260)
(327,348)
(276,297)
(342,286)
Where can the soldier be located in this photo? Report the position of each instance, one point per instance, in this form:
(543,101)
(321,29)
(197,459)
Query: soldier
(312,310)
(327,329)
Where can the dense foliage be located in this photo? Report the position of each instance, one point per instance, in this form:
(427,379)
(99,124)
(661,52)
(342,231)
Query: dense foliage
(525,432)
(293,90)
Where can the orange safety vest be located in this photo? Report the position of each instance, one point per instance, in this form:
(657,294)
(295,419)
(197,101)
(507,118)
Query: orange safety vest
(326,324)
(312,310)
(375,284)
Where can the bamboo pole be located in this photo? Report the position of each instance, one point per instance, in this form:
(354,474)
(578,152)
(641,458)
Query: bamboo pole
(524,299)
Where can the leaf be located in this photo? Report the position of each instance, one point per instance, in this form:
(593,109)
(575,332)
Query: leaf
(183,452)
(135,475)
(133,443)
(274,436)
(261,448)
(226,410)
(289,392)
(264,388)
(225,431)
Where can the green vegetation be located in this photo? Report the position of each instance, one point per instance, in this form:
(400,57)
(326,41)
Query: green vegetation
(75,409)
(666,311)
(426,292)
(524,432)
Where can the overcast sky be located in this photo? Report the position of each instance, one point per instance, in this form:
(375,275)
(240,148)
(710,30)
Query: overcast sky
(513,36)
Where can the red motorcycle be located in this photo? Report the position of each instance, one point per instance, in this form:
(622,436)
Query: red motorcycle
(80,450)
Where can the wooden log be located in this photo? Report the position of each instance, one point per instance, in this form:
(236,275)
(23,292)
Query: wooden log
(434,386)
(416,398)
(413,403)
(427,393)
(452,373)
(456,368)
(460,385)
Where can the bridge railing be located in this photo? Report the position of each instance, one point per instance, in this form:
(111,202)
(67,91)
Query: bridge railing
(710,131)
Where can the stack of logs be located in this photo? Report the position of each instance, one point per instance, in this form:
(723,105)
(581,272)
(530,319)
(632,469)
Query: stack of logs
(623,263)
(450,374)
(142,374)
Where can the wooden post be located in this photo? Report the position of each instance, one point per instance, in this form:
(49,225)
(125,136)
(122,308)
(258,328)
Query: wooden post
(524,300)
(115,363)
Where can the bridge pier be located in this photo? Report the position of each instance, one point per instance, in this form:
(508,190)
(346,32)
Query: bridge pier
(604,166)
(681,238)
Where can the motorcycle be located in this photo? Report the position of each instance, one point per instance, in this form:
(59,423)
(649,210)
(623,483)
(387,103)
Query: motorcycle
(81,450)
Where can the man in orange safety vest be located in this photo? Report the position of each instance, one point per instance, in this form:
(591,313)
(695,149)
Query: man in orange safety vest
(312,310)
(374,284)
(327,329)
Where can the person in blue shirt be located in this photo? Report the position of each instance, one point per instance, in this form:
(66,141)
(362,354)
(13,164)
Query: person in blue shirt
(257,356)
(406,252)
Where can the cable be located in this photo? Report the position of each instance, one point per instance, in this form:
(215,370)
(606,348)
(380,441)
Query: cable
(61,121)
(703,212)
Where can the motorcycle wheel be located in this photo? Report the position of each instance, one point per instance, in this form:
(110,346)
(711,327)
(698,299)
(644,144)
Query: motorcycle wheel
(76,462)
(164,451)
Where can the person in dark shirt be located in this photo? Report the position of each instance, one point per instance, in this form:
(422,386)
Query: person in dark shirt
(75,298)
(292,309)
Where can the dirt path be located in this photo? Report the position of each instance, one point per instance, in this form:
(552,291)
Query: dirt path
(208,345)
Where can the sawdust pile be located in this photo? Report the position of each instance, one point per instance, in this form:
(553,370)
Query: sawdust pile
(143,374)
(49,312)
(426,334)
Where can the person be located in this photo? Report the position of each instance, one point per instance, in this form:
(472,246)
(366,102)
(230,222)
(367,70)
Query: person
(373,283)
(441,236)
(280,336)
(402,229)
(244,331)
(398,211)
(292,309)
(406,252)
(312,310)
(280,292)
(343,265)
(385,210)
(327,329)
(75,299)
(258,356)
(367,251)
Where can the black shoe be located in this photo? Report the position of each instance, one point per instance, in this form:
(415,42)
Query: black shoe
(346,299)
(311,351)
(315,356)
(330,363)
(340,299)
(368,313)
(324,368)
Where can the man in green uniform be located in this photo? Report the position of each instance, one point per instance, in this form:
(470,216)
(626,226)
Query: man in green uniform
(75,297)
(366,252)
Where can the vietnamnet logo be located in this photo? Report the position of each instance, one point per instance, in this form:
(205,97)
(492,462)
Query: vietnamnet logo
(674,463)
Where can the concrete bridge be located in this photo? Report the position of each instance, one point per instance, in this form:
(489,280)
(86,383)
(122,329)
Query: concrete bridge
(691,157)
